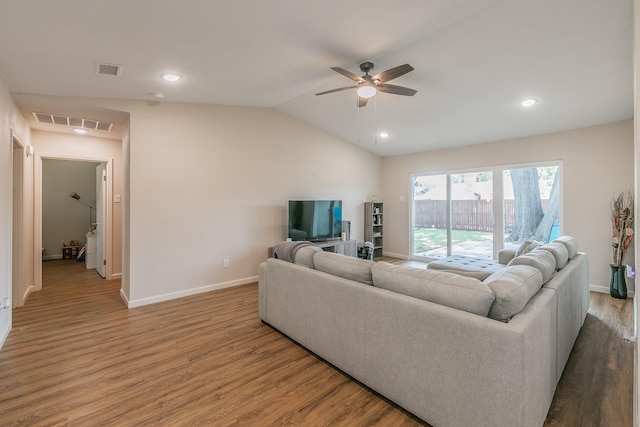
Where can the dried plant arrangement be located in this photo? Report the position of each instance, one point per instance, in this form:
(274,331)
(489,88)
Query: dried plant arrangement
(622,222)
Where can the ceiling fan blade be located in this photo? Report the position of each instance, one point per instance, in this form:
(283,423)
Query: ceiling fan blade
(397,90)
(336,90)
(362,101)
(348,74)
(393,73)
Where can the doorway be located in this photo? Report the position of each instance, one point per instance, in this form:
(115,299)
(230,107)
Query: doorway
(84,206)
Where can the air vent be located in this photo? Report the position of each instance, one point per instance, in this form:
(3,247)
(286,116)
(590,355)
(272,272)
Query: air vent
(109,69)
(74,122)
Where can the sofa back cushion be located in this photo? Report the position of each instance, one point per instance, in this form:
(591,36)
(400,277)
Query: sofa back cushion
(452,290)
(559,252)
(513,287)
(570,243)
(347,267)
(543,260)
(304,255)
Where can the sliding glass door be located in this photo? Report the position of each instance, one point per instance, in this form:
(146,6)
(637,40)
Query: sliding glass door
(453,214)
(457,213)
(472,214)
(430,216)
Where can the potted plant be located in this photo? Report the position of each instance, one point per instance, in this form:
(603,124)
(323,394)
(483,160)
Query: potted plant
(622,222)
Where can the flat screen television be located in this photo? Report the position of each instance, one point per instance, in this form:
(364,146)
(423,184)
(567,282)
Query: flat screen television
(315,220)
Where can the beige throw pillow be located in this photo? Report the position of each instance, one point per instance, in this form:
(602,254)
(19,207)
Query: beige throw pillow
(527,246)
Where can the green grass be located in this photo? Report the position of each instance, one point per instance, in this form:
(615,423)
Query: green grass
(426,239)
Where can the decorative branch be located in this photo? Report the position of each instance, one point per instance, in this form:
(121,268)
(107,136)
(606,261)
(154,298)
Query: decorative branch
(622,222)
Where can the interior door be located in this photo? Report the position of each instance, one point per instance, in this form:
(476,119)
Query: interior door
(101,186)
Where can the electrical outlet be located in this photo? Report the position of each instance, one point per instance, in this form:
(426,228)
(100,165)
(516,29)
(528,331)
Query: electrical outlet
(225,263)
(7,303)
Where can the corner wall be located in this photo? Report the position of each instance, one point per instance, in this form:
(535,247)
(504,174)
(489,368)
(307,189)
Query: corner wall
(10,121)
(597,164)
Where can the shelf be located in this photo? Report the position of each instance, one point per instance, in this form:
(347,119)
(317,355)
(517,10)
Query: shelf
(373,226)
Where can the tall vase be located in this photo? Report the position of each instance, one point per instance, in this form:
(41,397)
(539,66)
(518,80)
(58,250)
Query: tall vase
(618,285)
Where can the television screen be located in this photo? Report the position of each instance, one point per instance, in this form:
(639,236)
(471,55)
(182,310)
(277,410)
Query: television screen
(315,220)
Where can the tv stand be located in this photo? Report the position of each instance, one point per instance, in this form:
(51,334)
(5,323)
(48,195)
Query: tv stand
(344,247)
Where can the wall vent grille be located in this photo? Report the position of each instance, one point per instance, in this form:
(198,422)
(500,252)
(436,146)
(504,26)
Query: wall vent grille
(74,122)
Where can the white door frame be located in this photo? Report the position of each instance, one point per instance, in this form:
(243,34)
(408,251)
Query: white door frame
(17,220)
(37,229)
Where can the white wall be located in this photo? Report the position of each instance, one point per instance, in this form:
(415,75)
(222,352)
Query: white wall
(10,120)
(597,164)
(212,182)
(63,218)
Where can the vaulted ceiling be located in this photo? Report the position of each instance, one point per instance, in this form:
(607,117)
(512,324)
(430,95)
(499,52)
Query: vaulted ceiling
(474,61)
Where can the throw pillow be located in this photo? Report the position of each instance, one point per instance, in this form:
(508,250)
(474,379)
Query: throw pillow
(527,246)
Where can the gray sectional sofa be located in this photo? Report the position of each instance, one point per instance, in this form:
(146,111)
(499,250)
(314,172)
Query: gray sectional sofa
(450,348)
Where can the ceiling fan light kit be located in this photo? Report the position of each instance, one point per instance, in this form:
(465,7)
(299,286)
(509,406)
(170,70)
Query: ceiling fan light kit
(366,91)
(368,86)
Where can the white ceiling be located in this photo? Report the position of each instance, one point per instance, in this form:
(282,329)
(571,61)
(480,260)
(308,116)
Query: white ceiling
(474,61)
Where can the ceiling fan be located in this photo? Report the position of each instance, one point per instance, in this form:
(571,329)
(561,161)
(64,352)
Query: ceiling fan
(367,86)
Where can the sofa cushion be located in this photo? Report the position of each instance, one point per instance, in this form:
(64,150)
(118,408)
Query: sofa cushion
(452,290)
(507,254)
(540,259)
(513,287)
(304,255)
(559,252)
(347,267)
(570,243)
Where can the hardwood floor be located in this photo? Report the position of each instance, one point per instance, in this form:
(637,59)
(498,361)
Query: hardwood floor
(77,356)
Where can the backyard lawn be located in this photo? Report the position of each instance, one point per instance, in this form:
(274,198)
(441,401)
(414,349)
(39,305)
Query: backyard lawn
(428,239)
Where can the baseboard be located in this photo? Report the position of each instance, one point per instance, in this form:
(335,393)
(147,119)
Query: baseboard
(187,292)
(50,257)
(116,276)
(606,290)
(26,294)
(124,298)
(392,255)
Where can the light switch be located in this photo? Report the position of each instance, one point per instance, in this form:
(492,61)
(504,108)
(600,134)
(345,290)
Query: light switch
(116,198)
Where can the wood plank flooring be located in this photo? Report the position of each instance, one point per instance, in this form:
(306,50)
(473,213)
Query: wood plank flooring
(78,357)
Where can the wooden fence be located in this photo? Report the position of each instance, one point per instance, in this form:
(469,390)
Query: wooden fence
(472,215)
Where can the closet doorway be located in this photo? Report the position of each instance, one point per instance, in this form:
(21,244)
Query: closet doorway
(72,211)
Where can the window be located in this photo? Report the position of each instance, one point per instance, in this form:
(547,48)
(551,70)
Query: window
(455,213)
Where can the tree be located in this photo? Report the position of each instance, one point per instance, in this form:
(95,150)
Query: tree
(552,213)
(527,204)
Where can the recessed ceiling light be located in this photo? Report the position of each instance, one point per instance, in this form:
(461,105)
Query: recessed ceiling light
(528,102)
(383,134)
(171,77)
(80,131)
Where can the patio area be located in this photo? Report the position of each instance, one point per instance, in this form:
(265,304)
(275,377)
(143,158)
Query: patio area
(432,243)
